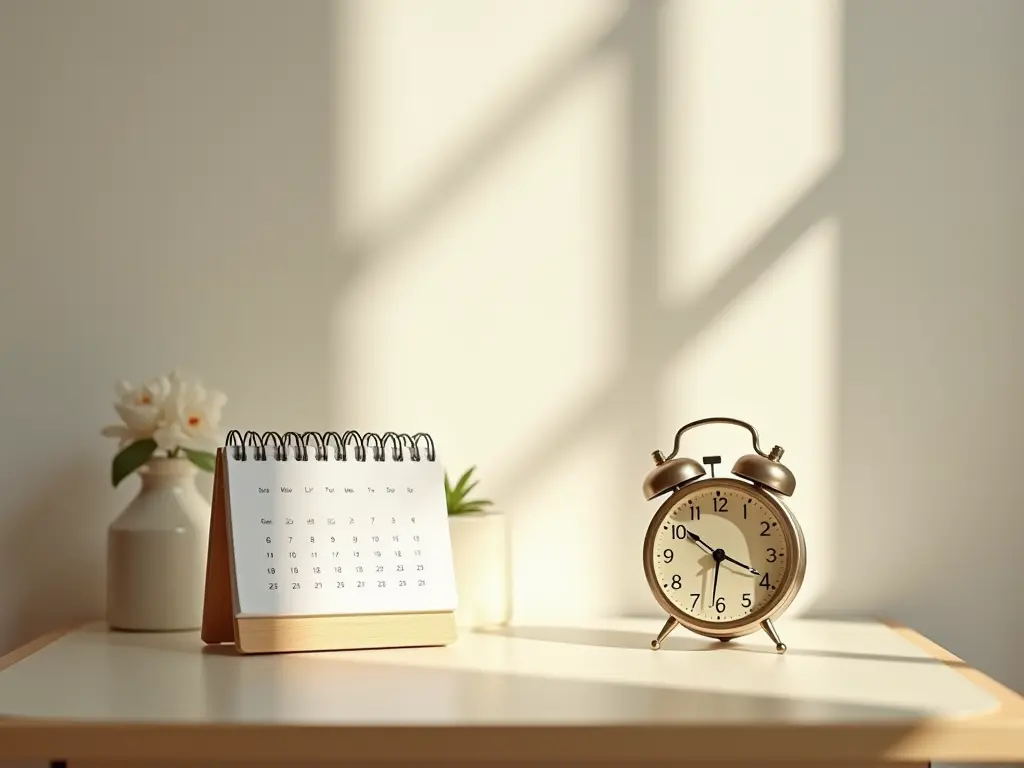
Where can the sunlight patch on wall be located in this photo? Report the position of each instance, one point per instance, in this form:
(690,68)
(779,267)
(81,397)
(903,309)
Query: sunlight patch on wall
(749,257)
(497,313)
(423,83)
(751,115)
(770,360)
(565,543)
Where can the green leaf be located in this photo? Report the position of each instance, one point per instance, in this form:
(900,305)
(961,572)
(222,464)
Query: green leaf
(130,459)
(457,497)
(460,487)
(468,488)
(202,459)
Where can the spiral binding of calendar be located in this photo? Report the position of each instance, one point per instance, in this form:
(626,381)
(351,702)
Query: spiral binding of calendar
(322,442)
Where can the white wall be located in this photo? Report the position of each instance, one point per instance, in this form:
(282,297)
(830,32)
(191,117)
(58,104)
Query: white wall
(549,234)
(930,413)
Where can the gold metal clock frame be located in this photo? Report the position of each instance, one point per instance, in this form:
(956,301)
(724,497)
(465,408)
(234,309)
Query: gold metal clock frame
(763,477)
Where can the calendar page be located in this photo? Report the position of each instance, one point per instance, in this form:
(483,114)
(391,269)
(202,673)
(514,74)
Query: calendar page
(318,538)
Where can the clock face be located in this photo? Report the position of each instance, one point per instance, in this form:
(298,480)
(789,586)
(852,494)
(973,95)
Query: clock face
(724,531)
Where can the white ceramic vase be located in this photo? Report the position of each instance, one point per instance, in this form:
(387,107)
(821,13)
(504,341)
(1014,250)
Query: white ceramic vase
(156,552)
(480,550)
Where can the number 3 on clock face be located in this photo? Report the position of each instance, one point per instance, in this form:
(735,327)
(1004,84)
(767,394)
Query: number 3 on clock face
(723,555)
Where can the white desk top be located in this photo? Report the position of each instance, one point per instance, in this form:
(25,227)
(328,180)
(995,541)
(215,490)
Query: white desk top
(864,680)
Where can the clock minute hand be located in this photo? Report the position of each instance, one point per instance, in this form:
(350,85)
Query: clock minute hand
(744,566)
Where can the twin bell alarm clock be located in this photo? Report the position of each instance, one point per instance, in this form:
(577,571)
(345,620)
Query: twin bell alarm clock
(723,555)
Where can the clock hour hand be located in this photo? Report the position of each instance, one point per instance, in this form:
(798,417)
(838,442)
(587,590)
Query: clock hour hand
(694,537)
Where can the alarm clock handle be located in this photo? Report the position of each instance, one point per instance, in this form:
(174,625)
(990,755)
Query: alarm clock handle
(775,455)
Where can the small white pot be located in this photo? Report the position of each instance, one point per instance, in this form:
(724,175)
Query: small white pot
(480,549)
(156,552)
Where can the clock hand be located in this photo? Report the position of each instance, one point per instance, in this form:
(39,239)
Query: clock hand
(746,567)
(714,589)
(702,543)
(699,540)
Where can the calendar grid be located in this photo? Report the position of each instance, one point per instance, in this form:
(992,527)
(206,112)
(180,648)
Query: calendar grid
(328,537)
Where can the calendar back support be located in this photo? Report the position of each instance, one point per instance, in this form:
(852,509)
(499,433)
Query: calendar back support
(222,622)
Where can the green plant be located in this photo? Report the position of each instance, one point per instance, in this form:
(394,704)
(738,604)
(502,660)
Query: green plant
(457,497)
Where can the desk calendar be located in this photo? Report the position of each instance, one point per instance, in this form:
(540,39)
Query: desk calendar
(338,544)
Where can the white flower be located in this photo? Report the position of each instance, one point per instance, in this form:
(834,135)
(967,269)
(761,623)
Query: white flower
(172,411)
(189,416)
(139,409)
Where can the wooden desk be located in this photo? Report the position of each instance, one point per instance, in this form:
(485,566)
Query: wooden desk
(864,693)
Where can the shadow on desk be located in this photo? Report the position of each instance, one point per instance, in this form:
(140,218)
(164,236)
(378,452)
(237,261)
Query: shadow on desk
(617,638)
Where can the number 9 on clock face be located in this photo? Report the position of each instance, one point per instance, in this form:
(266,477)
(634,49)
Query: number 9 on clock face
(723,555)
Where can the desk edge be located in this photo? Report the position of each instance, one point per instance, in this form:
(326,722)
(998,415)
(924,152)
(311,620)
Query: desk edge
(37,644)
(1011,703)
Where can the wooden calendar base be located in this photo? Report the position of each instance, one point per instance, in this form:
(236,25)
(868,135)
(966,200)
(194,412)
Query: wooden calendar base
(286,634)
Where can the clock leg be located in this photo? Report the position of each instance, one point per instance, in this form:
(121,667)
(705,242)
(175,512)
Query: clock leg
(665,632)
(769,629)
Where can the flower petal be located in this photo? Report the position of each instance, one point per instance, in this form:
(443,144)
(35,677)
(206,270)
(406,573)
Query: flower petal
(215,401)
(156,391)
(141,418)
(168,436)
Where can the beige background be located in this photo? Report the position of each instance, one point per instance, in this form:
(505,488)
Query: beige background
(549,234)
